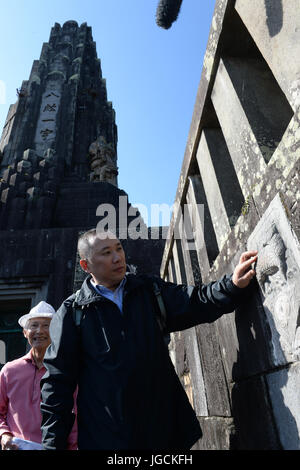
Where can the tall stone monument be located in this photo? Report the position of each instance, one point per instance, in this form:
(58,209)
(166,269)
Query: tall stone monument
(58,165)
(61,130)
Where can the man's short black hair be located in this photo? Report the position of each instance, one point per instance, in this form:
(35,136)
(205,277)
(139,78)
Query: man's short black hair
(86,240)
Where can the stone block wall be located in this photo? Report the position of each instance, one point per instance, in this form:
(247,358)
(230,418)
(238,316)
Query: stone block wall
(241,165)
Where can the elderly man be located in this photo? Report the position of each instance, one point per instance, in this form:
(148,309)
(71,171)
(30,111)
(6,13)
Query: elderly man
(20,395)
(129,394)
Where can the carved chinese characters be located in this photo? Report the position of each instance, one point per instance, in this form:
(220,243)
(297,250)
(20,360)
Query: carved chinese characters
(45,133)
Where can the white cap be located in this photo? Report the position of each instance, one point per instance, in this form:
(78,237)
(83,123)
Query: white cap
(40,310)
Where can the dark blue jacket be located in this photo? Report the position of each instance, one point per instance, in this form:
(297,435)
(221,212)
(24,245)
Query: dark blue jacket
(129,394)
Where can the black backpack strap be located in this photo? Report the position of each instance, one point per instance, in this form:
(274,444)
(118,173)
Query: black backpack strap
(162,317)
(77,311)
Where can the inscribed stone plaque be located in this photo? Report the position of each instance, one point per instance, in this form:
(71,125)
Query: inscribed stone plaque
(278,275)
(46,125)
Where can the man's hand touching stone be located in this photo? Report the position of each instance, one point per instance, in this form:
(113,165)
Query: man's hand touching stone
(244,272)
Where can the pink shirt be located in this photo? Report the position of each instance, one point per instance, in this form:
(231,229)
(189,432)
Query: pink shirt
(20,398)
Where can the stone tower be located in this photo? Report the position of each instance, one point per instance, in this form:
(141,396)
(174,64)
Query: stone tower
(62,128)
(58,163)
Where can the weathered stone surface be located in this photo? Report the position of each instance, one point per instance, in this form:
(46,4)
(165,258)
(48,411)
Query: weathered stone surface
(275,29)
(218,434)
(283,387)
(213,372)
(196,372)
(205,240)
(213,194)
(103,161)
(248,181)
(239,136)
(245,340)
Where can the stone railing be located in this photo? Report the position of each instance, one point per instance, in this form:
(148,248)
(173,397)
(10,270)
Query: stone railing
(241,166)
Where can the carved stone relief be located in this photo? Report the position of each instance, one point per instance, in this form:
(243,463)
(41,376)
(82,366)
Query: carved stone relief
(102,161)
(278,275)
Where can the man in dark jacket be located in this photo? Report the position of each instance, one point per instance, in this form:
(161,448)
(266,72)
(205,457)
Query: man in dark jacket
(129,396)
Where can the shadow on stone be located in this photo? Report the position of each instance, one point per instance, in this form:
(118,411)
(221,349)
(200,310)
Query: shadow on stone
(274,13)
(262,419)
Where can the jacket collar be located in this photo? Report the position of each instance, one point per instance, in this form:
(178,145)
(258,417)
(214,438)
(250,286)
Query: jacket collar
(87,294)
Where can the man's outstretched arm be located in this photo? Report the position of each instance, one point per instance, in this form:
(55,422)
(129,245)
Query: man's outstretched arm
(188,306)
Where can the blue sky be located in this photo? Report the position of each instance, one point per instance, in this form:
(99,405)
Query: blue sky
(152,77)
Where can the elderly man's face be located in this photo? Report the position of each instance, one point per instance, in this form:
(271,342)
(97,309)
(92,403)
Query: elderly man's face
(106,262)
(37,332)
